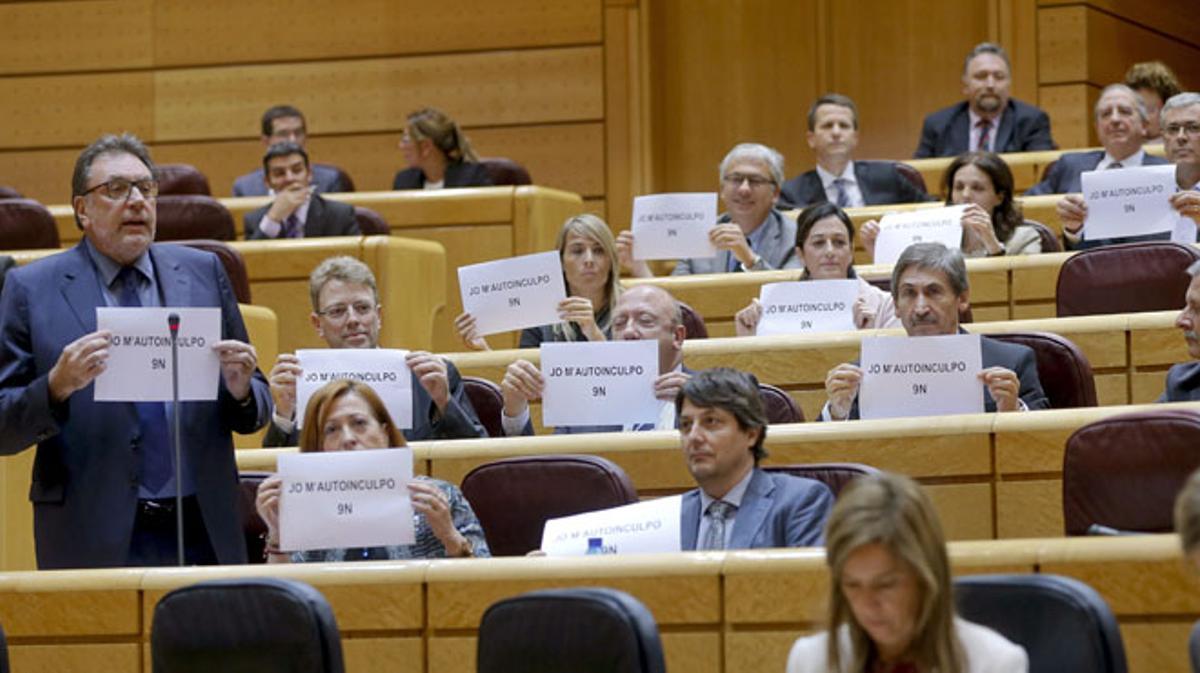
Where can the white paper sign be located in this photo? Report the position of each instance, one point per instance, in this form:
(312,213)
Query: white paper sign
(803,307)
(897,231)
(381,368)
(602,383)
(673,226)
(139,360)
(641,528)
(1129,202)
(920,376)
(511,294)
(345,499)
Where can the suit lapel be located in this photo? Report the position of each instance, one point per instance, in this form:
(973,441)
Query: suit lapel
(313,222)
(753,512)
(960,132)
(173,283)
(81,289)
(689,520)
(813,189)
(1005,132)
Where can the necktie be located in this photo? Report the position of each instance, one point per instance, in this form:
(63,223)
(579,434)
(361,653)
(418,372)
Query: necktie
(152,416)
(291,227)
(842,198)
(719,512)
(1115,164)
(985,128)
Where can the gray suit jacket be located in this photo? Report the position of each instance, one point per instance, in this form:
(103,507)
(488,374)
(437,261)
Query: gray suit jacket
(778,510)
(325,218)
(778,250)
(1183,383)
(1063,176)
(328,180)
(879,182)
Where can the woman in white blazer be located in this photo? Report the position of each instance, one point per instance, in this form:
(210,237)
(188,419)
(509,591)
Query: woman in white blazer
(891,603)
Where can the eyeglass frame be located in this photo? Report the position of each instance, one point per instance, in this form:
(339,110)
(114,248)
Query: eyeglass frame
(755,181)
(148,194)
(329,311)
(1172,130)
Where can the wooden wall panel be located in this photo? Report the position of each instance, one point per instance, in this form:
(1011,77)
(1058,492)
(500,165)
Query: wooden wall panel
(75,36)
(64,110)
(1175,18)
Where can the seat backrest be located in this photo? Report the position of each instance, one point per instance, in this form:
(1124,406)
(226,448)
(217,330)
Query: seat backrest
(181,179)
(834,475)
(1124,472)
(693,322)
(370,222)
(7,192)
(514,497)
(1127,278)
(488,401)
(1050,242)
(26,224)
(1062,623)
(582,630)
(231,259)
(343,176)
(253,526)
(913,176)
(780,406)
(190,216)
(251,624)
(505,171)
(1063,369)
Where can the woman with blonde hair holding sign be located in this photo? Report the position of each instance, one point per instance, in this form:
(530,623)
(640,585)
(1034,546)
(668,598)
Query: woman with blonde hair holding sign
(345,415)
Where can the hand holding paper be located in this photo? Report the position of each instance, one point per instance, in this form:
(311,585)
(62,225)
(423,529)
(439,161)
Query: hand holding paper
(282,380)
(79,364)
(841,386)
(1004,387)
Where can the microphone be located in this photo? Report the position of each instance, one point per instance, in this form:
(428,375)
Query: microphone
(173,325)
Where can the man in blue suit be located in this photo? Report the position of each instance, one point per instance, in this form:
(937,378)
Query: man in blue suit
(988,120)
(103,486)
(1183,380)
(722,426)
(1121,125)
(284,123)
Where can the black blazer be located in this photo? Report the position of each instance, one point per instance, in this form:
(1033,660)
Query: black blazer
(1183,383)
(325,218)
(1063,176)
(457,175)
(1023,128)
(879,182)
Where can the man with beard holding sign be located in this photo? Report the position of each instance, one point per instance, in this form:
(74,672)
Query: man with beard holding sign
(929,285)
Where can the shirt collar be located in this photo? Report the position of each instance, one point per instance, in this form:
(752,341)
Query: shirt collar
(1136,159)
(827,178)
(733,497)
(975,119)
(108,268)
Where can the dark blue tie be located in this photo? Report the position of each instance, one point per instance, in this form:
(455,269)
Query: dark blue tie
(152,416)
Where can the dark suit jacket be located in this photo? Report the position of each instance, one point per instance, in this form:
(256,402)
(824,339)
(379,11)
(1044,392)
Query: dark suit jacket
(778,510)
(1063,176)
(879,182)
(325,218)
(458,422)
(1023,128)
(1183,383)
(87,469)
(1020,359)
(457,175)
(327,179)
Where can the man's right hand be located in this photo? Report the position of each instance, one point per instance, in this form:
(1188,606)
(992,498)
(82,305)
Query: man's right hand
(79,364)
(1072,211)
(287,201)
(522,382)
(283,379)
(746,320)
(841,386)
(869,233)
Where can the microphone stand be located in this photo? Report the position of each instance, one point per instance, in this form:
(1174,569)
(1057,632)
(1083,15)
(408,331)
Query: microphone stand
(173,325)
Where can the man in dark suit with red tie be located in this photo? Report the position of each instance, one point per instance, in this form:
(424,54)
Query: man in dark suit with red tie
(988,120)
(297,211)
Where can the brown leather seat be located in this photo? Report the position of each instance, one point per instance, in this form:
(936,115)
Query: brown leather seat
(1063,369)
(253,526)
(834,475)
(343,175)
(232,260)
(505,171)
(514,497)
(780,406)
(913,176)
(1050,242)
(26,224)
(191,216)
(693,322)
(7,192)
(488,401)
(370,222)
(181,179)
(1124,472)
(1127,278)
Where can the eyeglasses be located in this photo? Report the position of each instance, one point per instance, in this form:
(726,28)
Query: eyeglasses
(361,309)
(119,189)
(1172,130)
(756,181)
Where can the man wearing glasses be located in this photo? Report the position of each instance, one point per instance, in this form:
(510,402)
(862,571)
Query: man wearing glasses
(1181,139)
(751,235)
(346,314)
(103,487)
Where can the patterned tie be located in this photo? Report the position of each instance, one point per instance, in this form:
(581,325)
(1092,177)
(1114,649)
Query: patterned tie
(718,513)
(985,128)
(291,227)
(152,416)
(839,186)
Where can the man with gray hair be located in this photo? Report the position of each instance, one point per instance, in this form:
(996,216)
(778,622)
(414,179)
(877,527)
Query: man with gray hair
(930,288)
(1183,380)
(751,235)
(1121,126)
(1181,139)
(989,120)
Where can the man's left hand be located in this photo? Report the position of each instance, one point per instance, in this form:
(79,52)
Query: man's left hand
(667,386)
(1187,204)
(238,362)
(729,236)
(1004,387)
(430,370)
